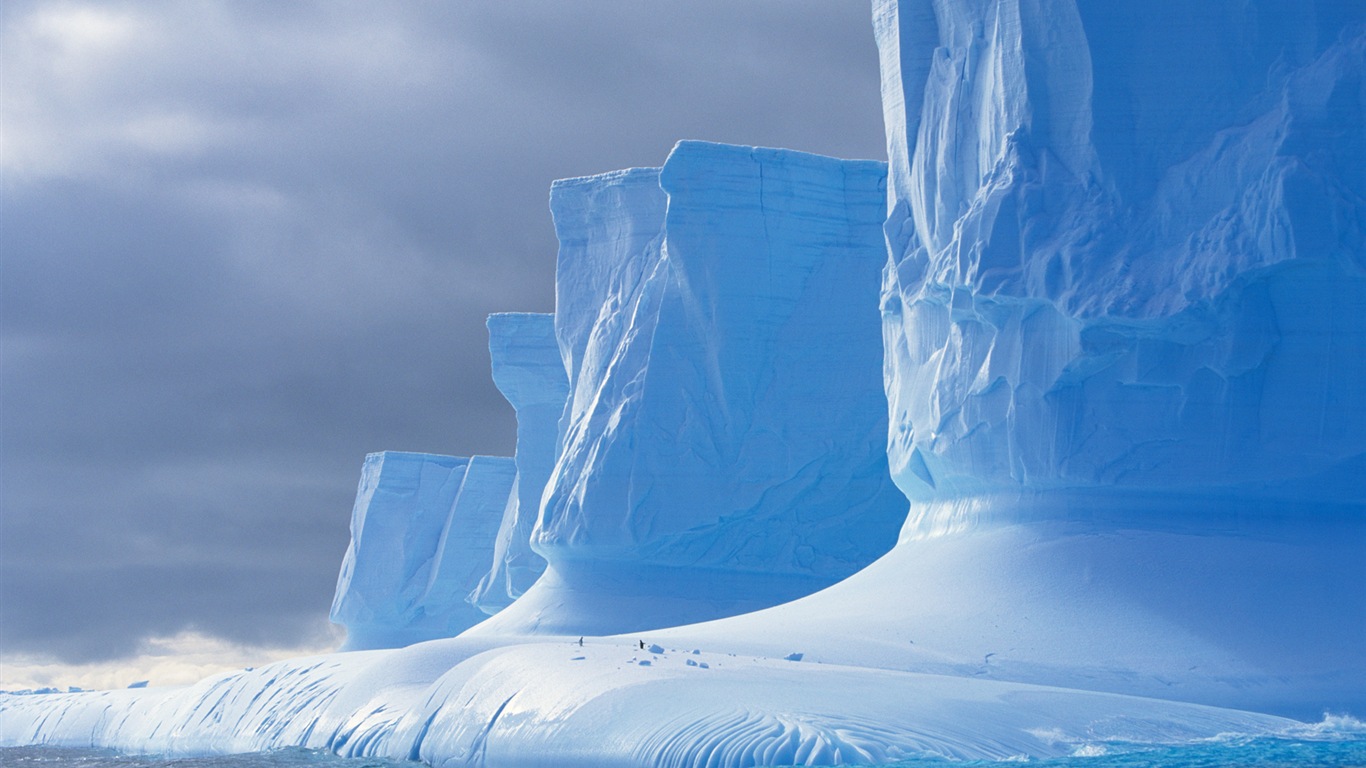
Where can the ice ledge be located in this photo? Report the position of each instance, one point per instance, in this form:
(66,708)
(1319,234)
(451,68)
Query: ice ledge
(1238,512)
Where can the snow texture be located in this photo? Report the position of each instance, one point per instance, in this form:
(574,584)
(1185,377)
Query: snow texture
(462,702)
(723,442)
(528,371)
(1123,325)
(422,534)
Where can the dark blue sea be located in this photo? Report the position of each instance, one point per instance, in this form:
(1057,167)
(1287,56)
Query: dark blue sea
(1328,751)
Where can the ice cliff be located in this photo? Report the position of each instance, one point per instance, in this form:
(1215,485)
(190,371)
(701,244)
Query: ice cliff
(723,439)
(1126,247)
(422,531)
(440,542)
(1124,321)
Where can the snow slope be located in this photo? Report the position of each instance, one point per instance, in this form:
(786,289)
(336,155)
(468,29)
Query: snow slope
(462,702)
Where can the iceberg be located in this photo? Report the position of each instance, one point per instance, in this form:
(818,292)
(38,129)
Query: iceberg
(1125,270)
(1047,433)
(422,531)
(528,371)
(723,439)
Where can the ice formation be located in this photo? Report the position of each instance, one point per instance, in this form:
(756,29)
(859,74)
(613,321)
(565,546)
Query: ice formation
(529,373)
(422,534)
(1123,345)
(1126,253)
(1125,307)
(723,442)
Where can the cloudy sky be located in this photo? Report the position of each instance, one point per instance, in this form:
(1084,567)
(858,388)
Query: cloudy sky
(244,243)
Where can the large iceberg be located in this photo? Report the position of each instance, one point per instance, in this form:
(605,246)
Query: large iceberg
(723,440)
(1124,315)
(1120,263)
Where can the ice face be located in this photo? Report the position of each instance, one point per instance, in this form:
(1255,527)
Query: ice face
(473,528)
(529,372)
(1124,315)
(722,447)
(1126,247)
(422,532)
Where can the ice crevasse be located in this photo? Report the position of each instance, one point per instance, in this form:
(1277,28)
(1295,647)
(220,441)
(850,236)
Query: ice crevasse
(1099,325)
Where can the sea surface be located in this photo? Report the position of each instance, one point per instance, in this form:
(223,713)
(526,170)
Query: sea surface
(1325,751)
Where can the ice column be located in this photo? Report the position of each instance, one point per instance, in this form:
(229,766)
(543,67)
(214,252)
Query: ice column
(529,372)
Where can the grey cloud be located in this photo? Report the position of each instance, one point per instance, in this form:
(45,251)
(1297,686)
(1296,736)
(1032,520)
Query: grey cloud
(246,243)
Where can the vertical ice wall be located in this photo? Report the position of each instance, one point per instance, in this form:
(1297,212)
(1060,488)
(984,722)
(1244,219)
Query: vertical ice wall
(528,371)
(422,531)
(723,444)
(1126,246)
(1125,323)
(473,530)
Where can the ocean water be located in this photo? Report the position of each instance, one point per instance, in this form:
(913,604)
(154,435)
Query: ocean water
(1344,752)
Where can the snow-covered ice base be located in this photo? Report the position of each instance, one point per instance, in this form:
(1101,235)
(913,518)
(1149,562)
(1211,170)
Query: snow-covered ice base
(866,671)
(463,702)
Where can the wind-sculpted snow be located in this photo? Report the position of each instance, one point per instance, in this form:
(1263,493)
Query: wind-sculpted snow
(461,703)
(422,535)
(722,446)
(528,371)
